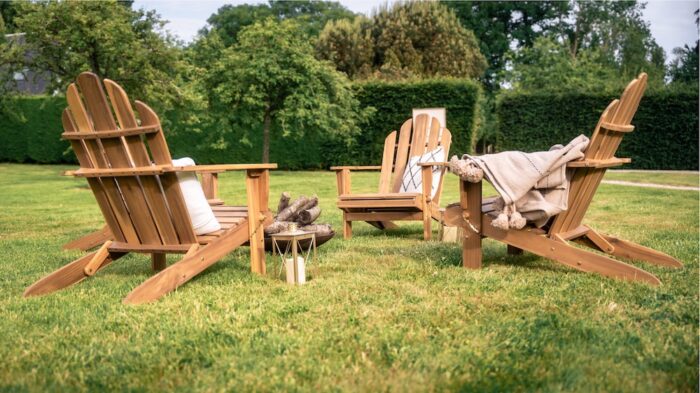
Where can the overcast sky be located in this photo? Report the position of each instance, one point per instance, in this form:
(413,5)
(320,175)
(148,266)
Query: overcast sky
(672,22)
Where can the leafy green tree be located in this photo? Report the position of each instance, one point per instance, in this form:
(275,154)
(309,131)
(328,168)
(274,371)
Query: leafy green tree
(617,30)
(607,43)
(548,65)
(8,12)
(408,39)
(684,68)
(271,80)
(107,38)
(348,45)
(497,24)
(312,15)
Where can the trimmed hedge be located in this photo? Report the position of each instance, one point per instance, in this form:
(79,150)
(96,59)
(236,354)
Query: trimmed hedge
(393,103)
(665,135)
(30,131)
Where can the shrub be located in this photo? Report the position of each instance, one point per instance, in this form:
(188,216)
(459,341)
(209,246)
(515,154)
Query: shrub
(665,135)
(30,131)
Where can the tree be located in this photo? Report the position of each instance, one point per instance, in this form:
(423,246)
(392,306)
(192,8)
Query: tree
(312,15)
(548,65)
(8,12)
(607,43)
(684,68)
(617,30)
(408,39)
(348,45)
(107,38)
(271,80)
(498,24)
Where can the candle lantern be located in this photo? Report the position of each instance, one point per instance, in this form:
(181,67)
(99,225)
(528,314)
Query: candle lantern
(297,252)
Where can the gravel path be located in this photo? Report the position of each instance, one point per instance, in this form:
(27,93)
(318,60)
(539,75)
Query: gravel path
(650,185)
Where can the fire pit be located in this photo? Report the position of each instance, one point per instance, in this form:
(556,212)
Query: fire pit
(301,213)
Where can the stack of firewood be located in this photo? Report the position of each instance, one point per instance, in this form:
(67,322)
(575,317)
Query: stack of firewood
(303,211)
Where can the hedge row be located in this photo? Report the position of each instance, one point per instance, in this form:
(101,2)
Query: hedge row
(30,131)
(37,137)
(665,135)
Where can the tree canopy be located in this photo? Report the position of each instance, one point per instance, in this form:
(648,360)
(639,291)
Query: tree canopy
(602,43)
(404,40)
(270,80)
(498,24)
(105,37)
(312,15)
(684,67)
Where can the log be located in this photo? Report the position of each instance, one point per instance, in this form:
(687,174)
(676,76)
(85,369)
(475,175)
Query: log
(312,202)
(284,202)
(318,229)
(290,212)
(276,227)
(308,216)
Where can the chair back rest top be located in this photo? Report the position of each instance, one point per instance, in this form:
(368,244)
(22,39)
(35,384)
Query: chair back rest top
(413,140)
(140,209)
(613,124)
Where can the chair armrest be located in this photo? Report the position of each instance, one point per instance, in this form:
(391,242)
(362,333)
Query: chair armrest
(221,168)
(429,164)
(356,168)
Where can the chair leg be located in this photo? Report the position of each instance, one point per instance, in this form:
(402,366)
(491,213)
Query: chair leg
(629,250)
(189,266)
(69,274)
(347,228)
(427,225)
(565,254)
(157,261)
(512,250)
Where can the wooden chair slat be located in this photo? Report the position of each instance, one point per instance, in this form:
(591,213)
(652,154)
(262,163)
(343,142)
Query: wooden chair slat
(419,135)
(387,163)
(402,154)
(171,187)
(112,192)
(445,142)
(434,135)
(602,148)
(151,187)
(95,184)
(118,157)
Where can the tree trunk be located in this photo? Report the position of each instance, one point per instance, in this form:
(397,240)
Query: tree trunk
(266,136)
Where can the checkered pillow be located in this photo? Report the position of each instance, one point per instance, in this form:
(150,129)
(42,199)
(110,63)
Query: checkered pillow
(412,180)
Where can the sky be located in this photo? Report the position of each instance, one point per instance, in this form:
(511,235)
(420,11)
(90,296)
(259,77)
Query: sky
(672,22)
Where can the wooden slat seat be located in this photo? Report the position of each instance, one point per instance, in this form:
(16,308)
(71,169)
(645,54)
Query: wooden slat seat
(389,204)
(128,167)
(475,216)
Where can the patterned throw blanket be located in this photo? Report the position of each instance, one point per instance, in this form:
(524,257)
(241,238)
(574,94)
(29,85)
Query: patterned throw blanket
(532,186)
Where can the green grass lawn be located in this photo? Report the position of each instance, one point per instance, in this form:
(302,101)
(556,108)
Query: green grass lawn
(386,312)
(665,178)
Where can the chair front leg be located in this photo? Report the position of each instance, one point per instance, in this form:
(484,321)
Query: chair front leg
(470,202)
(427,179)
(342,178)
(257,193)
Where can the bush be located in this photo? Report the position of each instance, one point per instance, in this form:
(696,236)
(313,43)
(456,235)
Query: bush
(30,131)
(394,102)
(665,135)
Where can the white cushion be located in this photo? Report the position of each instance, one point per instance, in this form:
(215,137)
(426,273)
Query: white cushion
(203,220)
(412,180)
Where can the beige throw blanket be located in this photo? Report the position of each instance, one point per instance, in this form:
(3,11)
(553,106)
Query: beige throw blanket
(532,186)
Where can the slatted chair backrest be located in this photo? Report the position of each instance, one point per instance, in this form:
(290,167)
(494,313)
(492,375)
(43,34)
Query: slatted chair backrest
(413,140)
(614,123)
(145,209)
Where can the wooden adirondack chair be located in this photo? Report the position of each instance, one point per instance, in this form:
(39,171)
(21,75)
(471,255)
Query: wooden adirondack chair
(388,204)
(140,197)
(475,216)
